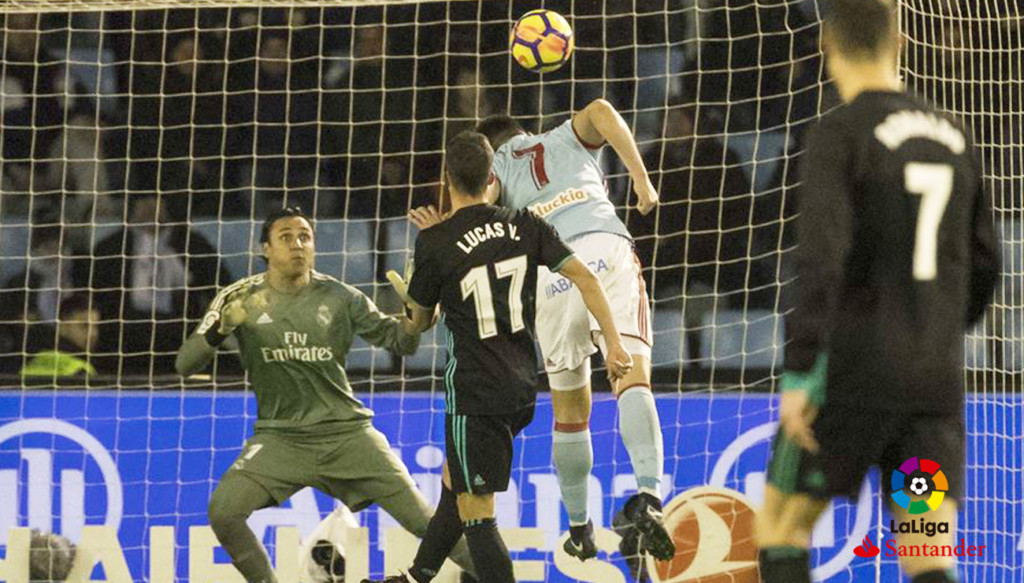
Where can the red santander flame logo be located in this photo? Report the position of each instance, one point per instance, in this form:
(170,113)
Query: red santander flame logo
(867,550)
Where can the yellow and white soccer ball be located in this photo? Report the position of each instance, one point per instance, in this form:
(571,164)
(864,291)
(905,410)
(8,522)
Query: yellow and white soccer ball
(541,41)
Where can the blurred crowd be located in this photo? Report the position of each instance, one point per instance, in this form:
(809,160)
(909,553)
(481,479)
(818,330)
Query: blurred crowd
(154,119)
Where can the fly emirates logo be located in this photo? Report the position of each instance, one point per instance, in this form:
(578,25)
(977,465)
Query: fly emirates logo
(297,349)
(564,199)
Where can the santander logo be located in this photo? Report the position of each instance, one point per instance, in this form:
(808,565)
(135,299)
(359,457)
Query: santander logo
(867,549)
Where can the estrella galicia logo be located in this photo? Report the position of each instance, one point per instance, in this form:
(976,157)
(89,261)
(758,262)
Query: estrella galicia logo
(919,477)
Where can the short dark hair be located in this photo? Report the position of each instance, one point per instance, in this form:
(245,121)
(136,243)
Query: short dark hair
(50,556)
(468,162)
(284,213)
(499,129)
(860,29)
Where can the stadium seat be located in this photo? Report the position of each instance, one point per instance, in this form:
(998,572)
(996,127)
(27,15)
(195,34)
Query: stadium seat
(738,339)
(345,250)
(401,239)
(670,348)
(235,241)
(759,153)
(14,243)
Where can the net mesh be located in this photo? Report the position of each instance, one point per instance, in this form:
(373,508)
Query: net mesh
(228,109)
(227,113)
(966,58)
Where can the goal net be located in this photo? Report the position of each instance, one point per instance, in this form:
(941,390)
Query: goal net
(142,149)
(966,58)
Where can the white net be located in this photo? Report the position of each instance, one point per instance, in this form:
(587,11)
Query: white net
(225,110)
(967,58)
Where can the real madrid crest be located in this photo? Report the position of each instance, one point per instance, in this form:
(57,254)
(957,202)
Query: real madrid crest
(323,315)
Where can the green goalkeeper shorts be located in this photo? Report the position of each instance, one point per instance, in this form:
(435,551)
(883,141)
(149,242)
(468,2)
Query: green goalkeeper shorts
(355,466)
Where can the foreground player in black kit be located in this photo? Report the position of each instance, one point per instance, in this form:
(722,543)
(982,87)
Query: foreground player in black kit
(480,265)
(896,257)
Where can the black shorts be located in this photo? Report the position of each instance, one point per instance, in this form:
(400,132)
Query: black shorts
(853,440)
(479,449)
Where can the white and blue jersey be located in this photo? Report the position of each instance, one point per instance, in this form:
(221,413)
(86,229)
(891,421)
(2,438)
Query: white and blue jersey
(558,178)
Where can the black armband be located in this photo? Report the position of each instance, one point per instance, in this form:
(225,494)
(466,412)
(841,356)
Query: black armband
(213,337)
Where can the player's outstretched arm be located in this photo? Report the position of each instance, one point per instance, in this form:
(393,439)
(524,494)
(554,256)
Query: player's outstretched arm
(599,122)
(618,360)
(380,329)
(227,311)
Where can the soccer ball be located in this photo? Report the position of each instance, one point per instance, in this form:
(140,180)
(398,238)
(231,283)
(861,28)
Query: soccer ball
(541,41)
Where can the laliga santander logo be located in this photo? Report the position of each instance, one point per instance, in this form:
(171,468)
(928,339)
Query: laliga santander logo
(713,526)
(42,475)
(918,485)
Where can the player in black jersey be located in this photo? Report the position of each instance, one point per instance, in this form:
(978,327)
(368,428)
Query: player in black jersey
(480,265)
(896,257)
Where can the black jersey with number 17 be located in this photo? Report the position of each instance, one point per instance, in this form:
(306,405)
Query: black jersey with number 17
(896,255)
(481,266)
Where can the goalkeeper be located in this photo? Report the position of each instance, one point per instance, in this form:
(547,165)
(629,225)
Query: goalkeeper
(294,327)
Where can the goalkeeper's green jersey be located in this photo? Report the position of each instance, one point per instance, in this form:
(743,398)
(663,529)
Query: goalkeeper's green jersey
(294,347)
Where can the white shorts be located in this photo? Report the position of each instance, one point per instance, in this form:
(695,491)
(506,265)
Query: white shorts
(566,330)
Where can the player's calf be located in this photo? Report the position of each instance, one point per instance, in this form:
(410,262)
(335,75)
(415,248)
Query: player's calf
(442,534)
(571,447)
(929,569)
(490,556)
(639,425)
(235,498)
(784,528)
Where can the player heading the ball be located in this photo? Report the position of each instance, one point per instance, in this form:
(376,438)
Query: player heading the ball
(557,176)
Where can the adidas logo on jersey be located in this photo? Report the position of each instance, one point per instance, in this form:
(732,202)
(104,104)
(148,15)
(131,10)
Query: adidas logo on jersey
(265,319)
(479,481)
